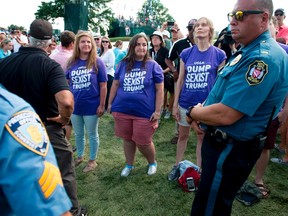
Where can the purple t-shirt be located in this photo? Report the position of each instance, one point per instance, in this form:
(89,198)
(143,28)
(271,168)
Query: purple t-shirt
(200,73)
(84,84)
(284,46)
(136,93)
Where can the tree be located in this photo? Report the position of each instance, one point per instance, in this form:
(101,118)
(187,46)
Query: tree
(99,13)
(154,13)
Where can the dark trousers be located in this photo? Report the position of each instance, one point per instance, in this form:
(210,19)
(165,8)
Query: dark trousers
(225,167)
(64,156)
(109,85)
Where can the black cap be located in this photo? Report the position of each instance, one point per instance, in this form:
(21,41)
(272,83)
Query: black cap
(192,22)
(279,10)
(41,29)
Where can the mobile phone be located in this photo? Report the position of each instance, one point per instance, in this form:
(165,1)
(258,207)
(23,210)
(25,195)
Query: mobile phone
(170,23)
(190,184)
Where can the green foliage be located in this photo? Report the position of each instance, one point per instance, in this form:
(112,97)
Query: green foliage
(154,13)
(104,192)
(12,26)
(100,14)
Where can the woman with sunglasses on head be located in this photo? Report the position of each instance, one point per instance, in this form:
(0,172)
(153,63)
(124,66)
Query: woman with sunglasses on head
(87,77)
(108,57)
(198,70)
(135,101)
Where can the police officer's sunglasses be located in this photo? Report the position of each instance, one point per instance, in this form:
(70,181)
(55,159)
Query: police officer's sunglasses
(239,15)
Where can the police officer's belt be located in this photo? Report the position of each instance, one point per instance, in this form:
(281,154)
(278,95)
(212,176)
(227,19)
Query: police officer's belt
(223,137)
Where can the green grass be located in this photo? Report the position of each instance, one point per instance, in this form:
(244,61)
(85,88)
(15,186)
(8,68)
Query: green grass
(104,192)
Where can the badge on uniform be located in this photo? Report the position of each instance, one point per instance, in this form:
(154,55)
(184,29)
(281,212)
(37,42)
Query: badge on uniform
(256,72)
(236,60)
(27,128)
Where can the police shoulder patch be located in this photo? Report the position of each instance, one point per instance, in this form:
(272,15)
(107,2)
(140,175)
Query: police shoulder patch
(256,72)
(27,129)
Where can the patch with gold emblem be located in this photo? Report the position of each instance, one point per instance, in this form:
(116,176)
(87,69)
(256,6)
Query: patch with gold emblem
(256,72)
(27,128)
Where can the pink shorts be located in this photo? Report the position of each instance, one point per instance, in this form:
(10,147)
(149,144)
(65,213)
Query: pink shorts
(128,127)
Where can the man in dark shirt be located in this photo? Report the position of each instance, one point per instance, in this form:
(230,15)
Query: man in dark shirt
(32,75)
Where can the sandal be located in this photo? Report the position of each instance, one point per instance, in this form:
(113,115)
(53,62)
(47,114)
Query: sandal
(264,190)
(78,161)
(91,165)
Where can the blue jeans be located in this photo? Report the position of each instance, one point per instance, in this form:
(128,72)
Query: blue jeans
(91,125)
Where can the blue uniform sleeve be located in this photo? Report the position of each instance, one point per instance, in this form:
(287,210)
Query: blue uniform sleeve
(30,180)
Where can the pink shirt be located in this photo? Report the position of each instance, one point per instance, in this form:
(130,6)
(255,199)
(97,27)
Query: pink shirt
(61,56)
(283,32)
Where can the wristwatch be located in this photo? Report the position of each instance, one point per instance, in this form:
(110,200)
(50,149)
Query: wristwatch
(188,112)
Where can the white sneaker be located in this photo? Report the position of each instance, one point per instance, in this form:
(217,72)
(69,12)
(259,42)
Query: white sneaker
(152,169)
(126,171)
(167,115)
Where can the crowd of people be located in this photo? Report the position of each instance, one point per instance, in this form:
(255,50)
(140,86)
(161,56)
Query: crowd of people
(204,86)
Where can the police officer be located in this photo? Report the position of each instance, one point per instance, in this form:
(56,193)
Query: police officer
(237,111)
(39,80)
(30,181)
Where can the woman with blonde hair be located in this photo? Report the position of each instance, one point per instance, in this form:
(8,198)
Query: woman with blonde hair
(5,48)
(198,71)
(87,78)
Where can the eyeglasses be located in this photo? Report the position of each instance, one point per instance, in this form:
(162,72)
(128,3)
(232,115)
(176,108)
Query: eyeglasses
(239,15)
(189,28)
(105,41)
(278,14)
(97,39)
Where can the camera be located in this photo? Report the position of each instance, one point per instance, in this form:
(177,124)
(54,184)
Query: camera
(190,184)
(228,36)
(170,23)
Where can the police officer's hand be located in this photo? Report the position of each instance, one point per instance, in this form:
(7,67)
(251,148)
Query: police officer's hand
(196,128)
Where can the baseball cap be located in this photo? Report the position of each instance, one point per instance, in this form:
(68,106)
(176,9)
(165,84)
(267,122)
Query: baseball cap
(157,33)
(281,10)
(192,22)
(166,33)
(96,35)
(41,29)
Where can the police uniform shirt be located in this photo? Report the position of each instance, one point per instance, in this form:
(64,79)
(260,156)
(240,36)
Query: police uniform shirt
(30,181)
(252,82)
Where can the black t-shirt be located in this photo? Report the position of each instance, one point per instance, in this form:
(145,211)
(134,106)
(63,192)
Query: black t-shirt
(160,56)
(177,48)
(32,75)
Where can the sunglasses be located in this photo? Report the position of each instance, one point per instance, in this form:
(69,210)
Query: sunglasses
(105,41)
(279,14)
(239,15)
(189,28)
(97,39)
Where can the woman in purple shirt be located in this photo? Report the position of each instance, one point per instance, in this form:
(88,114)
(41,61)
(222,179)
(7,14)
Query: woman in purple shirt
(135,100)
(198,70)
(87,77)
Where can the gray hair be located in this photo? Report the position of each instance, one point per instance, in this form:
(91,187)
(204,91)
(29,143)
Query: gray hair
(42,44)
